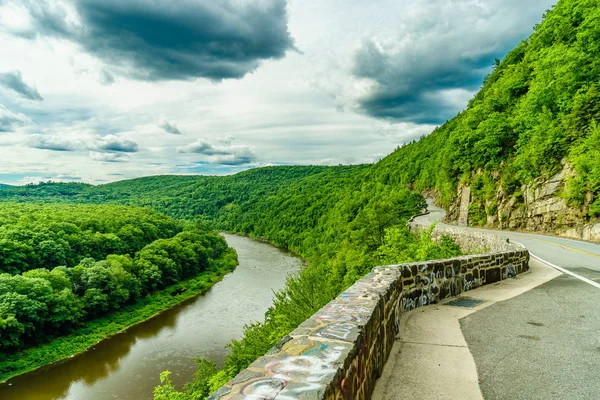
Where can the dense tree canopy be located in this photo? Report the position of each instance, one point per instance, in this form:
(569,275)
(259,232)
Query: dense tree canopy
(65,264)
(46,236)
(538,108)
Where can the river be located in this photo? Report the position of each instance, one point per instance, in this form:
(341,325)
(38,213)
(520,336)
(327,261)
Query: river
(127,366)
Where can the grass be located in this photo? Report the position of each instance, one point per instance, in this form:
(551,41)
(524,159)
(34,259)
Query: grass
(96,330)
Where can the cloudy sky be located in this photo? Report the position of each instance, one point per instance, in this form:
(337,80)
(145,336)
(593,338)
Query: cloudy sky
(104,90)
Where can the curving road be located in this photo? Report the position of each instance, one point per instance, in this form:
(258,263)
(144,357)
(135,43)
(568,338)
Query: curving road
(545,343)
(577,257)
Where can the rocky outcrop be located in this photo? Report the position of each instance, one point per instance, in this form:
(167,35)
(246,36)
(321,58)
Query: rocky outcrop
(538,207)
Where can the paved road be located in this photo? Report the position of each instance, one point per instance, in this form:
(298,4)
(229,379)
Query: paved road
(545,343)
(581,258)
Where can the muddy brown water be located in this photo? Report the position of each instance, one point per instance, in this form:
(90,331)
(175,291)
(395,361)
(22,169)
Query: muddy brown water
(127,366)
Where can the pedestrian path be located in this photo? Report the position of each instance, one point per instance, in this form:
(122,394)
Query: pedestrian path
(431,358)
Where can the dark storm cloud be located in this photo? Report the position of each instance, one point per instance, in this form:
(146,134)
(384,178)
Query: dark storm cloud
(223,153)
(170,128)
(14,80)
(411,86)
(9,121)
(169,40)
(118,144)
(441,54)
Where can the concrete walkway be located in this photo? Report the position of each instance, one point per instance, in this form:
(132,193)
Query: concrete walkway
(431,359)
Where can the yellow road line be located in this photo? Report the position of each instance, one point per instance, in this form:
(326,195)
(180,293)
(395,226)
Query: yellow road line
(566,247)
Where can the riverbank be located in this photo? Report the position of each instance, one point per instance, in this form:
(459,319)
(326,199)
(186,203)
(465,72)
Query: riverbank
(95,331)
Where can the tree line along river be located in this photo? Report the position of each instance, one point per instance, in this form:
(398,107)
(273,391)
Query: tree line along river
(127,366)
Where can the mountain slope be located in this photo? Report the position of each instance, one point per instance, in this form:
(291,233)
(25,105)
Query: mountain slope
(535,117)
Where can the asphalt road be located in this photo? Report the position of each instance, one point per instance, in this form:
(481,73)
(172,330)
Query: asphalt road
(545,343)
(579,257)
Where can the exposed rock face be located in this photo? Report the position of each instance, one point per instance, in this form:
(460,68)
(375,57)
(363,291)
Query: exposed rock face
(463,211)
(540,209)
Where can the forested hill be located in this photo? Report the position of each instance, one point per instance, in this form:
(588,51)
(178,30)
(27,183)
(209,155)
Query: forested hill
(537,110)
(177,196)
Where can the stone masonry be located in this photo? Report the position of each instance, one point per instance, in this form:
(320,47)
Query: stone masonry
(340,351)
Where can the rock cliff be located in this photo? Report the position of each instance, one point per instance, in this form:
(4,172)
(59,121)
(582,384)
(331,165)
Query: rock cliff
(537,207)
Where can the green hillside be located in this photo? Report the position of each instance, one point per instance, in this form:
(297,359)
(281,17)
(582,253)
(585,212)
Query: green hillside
(538,108)
(177,196)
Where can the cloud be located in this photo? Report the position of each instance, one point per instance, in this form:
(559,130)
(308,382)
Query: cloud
(107,144)
(240,156)
(440,55)
(168,40)
(10,121)
(223,153)
(201,146)
(106,78)
(14,80)
(54,143)
(170,128)
(115,143)
(109,157)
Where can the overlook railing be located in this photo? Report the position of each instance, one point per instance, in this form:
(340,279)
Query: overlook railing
(340,351)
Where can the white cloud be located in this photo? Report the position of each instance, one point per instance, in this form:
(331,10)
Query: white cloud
(116,143)
(10,121)
(223,153)
(109,157)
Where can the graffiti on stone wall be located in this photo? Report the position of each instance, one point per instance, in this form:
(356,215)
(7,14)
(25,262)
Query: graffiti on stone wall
(338,331)
(292,377)
(510,272)
(315,362)
(349,312)
(469,284)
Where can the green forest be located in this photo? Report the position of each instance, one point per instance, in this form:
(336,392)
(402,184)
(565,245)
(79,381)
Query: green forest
(62,266)
(537,110)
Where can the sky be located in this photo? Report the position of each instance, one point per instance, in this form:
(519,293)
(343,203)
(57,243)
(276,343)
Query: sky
(103,90)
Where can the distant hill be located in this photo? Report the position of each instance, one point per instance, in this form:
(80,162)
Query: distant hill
(4,186)
(177,196)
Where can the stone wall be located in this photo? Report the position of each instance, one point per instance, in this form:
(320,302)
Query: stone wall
(340,351)
(473,241)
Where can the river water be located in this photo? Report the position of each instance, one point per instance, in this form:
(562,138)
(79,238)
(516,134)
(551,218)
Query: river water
(127,366)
